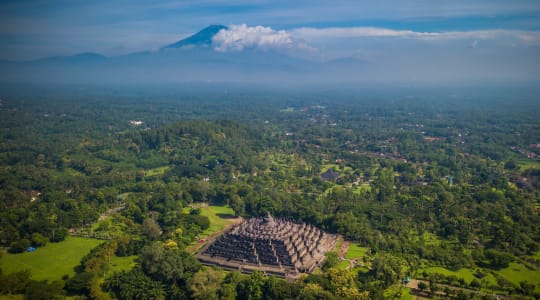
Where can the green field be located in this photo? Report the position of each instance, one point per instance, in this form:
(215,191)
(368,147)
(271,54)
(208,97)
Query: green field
(357,270)
(356,251)
(342,265)
(219,217)
(336,168)
(156,171)
(118,264)
(393,293)
(52,261)
(466,274)
(364,187)
(526,164)
(406,294)
(516,273)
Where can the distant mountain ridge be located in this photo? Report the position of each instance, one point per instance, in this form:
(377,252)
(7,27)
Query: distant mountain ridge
(201,38)
(80,57)
(192,59)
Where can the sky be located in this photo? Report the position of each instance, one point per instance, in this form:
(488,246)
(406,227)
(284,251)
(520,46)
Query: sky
(447,34)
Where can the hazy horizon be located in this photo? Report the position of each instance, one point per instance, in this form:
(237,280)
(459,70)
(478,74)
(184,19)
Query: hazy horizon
(353,42)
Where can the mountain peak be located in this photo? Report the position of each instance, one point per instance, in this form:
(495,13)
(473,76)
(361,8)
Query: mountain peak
(201,38)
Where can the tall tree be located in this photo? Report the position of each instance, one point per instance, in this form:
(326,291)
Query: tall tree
(151,229)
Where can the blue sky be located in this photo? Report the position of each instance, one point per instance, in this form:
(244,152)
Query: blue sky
(38,28)
(488,39)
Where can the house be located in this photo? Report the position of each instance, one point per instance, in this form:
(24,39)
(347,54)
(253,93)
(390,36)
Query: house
(329,175)
(135,122)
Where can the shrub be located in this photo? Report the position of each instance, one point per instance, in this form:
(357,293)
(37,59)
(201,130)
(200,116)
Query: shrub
(19,246)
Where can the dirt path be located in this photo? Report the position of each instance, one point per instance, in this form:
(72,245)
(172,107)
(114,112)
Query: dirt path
(413,283)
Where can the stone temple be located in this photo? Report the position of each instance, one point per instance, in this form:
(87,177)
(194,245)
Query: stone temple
(275,246)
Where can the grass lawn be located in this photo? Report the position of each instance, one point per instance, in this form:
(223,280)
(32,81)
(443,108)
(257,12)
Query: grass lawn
(466,274)
(52,261)
(219,217)
(336,168)
(406,294)
(342,265)
(356,270)
(526,164)
(118,264)
(156,171)
(516,273)
(364,187)
(392,293)
(355,251)
(65,174)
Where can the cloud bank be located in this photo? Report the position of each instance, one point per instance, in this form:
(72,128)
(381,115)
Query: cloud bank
(240,37)
(530,37)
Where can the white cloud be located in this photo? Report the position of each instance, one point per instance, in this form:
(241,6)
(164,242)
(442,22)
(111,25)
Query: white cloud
(349,32)
(529,37)
(240,37)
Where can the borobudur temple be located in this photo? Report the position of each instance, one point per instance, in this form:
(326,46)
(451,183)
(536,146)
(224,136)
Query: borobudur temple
(275,246)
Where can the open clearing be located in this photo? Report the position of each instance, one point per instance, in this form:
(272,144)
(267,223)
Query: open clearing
(156,171)
(52,261)
(362,188)
(516,273)
(342,265)
(118,264)
(465,274)
(356,251)
(394,293)
(526,164)
(220,218)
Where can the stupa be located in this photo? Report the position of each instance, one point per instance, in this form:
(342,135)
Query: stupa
(275,246)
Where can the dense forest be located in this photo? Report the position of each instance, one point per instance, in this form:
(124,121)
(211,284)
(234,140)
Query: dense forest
(425,178)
